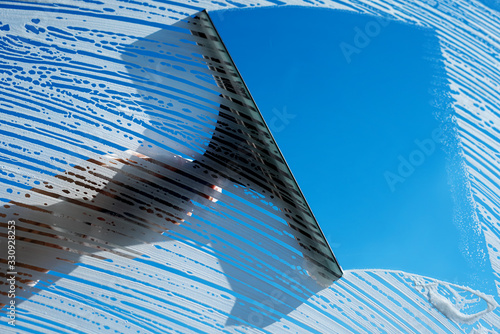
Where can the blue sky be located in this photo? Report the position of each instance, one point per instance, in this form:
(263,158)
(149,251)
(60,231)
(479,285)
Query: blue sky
(343,124)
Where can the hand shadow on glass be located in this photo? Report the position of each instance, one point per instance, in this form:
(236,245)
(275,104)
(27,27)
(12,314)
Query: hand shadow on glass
(191,155)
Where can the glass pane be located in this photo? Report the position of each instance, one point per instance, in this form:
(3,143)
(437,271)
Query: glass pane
(143,190)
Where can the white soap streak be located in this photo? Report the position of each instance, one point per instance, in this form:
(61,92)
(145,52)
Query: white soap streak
(421,299)
(367,301)
(452,310)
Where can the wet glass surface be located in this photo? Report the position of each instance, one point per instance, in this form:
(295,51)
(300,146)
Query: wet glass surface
(143,192)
